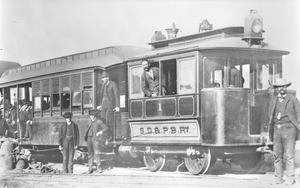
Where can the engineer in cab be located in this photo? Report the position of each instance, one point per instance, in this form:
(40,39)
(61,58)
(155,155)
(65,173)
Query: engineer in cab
(150,80)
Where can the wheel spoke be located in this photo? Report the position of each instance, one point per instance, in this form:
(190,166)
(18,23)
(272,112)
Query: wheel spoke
(198,164)
(154,163)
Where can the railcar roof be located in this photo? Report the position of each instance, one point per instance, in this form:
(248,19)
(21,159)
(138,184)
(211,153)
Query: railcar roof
(225,38)
(101,58)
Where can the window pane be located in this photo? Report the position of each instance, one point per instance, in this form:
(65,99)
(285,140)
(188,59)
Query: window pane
(87,99)
(55,85)
(65,102)
(36,88)
(187,72)
(46,105)
(37,106)
(55,104)
(246,75)
(76,82)
(45,87)
(76,103)
(214,72)
(135,82)
(87,80)
(65,84)
(264,74)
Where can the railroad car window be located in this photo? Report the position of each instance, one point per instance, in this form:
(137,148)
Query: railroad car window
(239,72)
(65,95)
(45,97)
(135,81)
(76,94)
(186,75)
(87,80)
(87,94)
(55,96)
(169,73)
(87,100)
(36,93)
(265,74)
(12,96)
(214,72)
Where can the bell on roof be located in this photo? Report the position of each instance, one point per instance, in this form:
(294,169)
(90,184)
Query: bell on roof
(158,36)
(172,32)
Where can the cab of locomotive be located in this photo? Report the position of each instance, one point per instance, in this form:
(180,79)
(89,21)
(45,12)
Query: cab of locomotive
(199,85)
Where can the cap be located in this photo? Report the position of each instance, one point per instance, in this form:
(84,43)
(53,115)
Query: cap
(67,115)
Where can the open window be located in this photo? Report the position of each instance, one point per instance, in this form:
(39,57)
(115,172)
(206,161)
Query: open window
(266,74)
(65,94)
(76,94)
(46,100)
(170,77)
(87,93)
(55,97)
(214,72)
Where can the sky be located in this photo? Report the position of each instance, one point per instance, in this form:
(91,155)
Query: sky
(37,30)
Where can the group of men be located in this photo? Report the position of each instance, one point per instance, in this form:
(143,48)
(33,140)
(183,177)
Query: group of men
(15,126)
(283,126)
(98,131)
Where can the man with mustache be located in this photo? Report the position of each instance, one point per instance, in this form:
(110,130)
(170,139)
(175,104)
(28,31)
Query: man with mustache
(150,80)
(283,130)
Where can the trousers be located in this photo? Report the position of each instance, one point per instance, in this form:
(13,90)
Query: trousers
(68,155)
(284,149)
(94,151)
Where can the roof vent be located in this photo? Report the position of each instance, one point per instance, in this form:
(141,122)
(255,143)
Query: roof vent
(205,26)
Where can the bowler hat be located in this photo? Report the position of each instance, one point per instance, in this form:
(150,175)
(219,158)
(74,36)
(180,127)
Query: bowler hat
(281,82)
(105,74)
(67,115)
(93,112)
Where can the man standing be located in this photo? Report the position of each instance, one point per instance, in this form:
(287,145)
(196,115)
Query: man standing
(68,142)
(150,80)
(25,120)
(95,136)
(283,130)
(110,100)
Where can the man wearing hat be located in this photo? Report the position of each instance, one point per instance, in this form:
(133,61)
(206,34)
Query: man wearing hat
(95,136)
(110,100)
(68,139)
(283,130)
(25,120)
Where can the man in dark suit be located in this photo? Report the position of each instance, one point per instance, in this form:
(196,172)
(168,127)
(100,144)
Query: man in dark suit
(95,136)
(110,100)
(68,141)
(283,130)
(150,80)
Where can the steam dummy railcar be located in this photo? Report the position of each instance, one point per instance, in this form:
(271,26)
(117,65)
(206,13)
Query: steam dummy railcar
(213,95)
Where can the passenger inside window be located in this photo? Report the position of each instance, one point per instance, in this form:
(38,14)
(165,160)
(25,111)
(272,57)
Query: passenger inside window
(150,80)
(236,79)
(214,72)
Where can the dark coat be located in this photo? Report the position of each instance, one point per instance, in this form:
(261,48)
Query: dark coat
(292,109)
(97,126)
(112,97)
(63,131)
